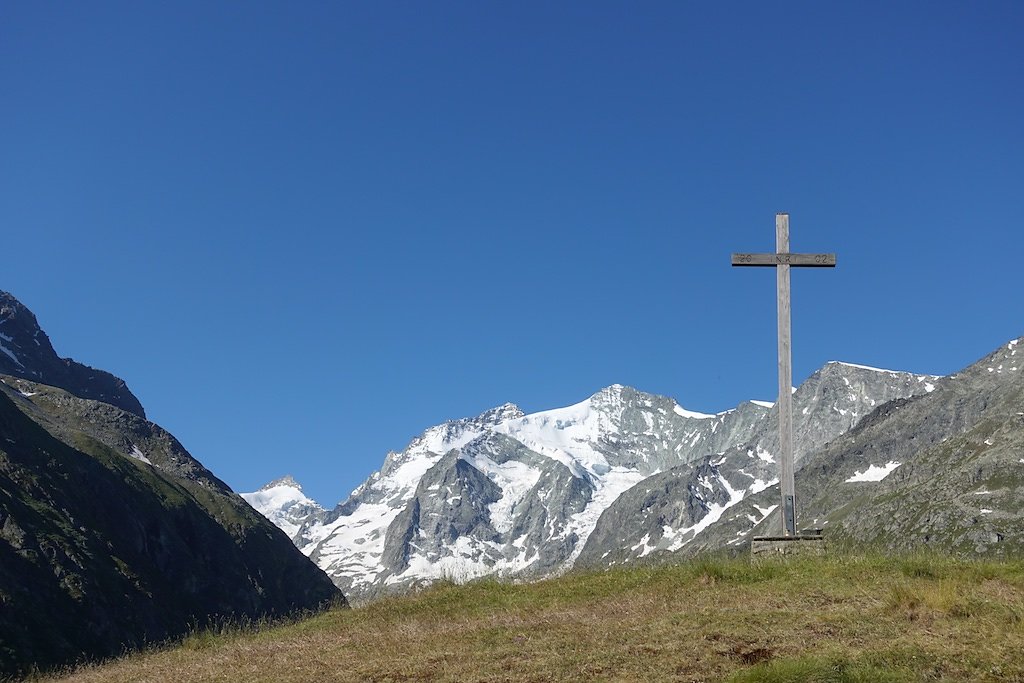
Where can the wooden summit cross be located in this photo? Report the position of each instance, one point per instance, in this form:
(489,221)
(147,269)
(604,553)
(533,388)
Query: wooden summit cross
(781,260)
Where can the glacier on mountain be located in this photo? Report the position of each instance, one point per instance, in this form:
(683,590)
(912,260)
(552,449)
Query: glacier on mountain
(511,494)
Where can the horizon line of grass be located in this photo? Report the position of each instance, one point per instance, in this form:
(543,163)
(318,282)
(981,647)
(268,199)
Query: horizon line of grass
(874,615)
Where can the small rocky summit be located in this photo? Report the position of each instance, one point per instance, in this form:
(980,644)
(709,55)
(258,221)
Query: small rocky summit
(26,352)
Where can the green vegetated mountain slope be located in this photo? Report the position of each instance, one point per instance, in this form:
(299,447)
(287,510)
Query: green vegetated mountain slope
(113,536)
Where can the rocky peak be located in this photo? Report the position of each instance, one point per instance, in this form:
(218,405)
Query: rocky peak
(287,480)
(22,341)
(506,411)
(454,433)
(614,393)
(26,352)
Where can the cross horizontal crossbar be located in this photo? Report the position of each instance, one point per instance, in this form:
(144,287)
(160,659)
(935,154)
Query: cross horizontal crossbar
(771,260)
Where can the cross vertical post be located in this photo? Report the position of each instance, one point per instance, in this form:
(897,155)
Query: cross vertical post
(785,402)
(781,260)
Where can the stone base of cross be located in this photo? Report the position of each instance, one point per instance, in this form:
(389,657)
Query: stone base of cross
(782,260)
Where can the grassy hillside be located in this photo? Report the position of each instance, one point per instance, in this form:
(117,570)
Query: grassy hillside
(845,618)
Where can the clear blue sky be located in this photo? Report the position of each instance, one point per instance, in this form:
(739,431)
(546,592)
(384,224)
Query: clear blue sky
(303,232)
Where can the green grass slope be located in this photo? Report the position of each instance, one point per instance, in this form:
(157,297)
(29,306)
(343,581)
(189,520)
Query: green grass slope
(841,618)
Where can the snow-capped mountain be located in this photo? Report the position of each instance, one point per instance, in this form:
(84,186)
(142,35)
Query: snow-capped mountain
(283,503)
(521,495)
(675,508)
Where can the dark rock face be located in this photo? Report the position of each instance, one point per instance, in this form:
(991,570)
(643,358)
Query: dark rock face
(663,512)
(26,352)
(102,548)
(435,520)
(541,520)
(113,536)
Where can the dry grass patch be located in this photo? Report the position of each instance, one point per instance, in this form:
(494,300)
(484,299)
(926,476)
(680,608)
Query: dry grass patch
(834,619)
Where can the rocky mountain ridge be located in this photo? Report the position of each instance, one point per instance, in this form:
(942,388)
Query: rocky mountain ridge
(112,536)
(26,352)
(943,469)
(532,495)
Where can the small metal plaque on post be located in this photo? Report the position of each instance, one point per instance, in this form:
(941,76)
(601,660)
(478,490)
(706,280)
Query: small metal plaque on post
(790,516)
